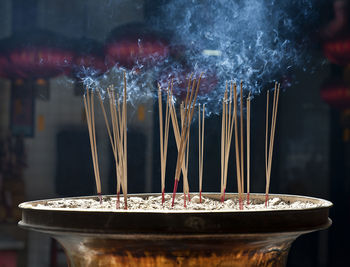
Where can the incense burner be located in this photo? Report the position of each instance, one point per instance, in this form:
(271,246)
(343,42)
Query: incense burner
(177,238)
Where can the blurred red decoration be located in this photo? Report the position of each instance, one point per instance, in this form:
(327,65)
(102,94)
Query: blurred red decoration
(338,51)
(41,62)
(335,35)
(339,25)
(38,54)
(336,94)
(131,44)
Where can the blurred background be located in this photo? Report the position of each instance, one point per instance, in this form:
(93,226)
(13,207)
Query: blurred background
(51,50)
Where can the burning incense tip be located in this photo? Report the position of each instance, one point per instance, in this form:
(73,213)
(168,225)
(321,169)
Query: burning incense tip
(223,196)
(118,200)
(240,203)
(174,193)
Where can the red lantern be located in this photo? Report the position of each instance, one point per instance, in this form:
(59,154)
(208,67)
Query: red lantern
(336,94)
(134,43)
(338,50)
(40,62)
(336,45)
(38,54)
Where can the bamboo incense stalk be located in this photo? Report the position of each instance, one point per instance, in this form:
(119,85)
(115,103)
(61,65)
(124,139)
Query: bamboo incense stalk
(271,139)
(241,139)
(184,171)
(125,154)
(238,169)
(248,148)
(222,148)
(95,145)
(187,187)
(229,131)
(189,104)
(120,143)
(90,118)
(185,163)
(106,120)
(177,135)
(118,138)
(118,153)
(226,137)
(266,142)
(92,123)
(163,137)
(160,111)
(200,148)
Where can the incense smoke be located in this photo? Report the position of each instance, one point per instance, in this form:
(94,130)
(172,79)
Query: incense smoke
(256,41)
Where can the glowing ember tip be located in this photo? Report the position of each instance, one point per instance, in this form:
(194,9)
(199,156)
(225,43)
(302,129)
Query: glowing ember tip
(174,192)
(266,200)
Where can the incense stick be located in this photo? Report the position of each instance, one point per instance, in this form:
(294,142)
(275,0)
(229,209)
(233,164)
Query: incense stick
(248,148)
(177,135)
(269,150)
(163,137)
(200,148)
(125,154)
(222,148)
(238,165)
(90,118)
(241,139)
(117,141)
(226,137)
(118,138)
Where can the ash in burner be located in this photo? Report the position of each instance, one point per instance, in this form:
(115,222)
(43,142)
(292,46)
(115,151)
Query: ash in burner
(153,203)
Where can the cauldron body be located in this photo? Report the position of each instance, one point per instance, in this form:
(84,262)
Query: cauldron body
(177,238)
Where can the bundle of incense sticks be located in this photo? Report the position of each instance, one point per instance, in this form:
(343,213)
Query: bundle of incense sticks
(164,134)
(188,109)
(118,138)
(90,118)
(226,136)
(200,148)
(269,150)
(177,134)
(230,120)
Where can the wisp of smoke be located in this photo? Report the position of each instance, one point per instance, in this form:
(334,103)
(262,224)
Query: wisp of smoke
(256,41)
